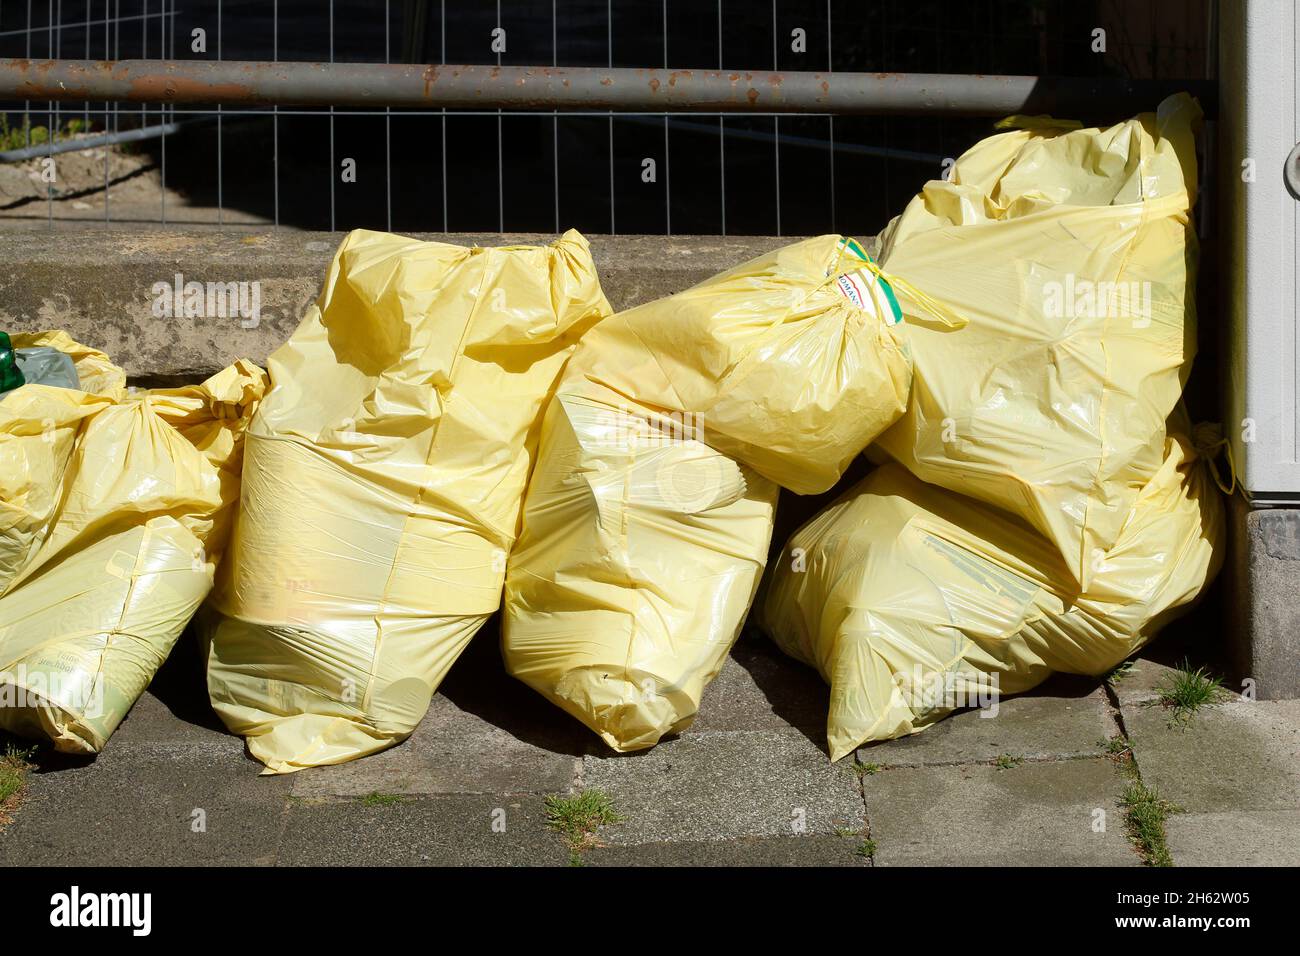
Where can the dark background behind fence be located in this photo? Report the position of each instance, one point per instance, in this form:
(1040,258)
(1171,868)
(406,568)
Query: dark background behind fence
(540,172)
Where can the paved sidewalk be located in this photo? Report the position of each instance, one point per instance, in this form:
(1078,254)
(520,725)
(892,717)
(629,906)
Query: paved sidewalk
(750,783)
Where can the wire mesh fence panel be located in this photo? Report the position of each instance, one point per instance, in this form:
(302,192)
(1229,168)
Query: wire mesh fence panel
(429,170)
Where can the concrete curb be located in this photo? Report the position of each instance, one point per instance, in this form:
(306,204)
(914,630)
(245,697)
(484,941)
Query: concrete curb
(96,285)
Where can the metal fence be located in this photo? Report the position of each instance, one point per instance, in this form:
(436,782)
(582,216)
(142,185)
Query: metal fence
(463,169)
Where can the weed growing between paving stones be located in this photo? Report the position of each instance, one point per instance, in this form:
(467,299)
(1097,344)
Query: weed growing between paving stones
(866,847)
(865,769)
(1145,814)
(15,765)
(1144,810)
(1186,691)
(1117,746)
(1007,762)
(376,799)
(579,817)
(1122,670)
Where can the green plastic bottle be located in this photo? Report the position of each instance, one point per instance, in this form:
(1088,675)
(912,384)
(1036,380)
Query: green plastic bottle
(11,376)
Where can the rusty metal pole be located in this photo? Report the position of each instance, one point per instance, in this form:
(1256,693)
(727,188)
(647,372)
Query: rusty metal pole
(568,88)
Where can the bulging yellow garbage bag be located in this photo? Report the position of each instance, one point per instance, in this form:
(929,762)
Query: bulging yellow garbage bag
(382,485)
(31,472)
(641,551)
(911,600)
(114,509)
(648,518)
(1071,254)
(789,363)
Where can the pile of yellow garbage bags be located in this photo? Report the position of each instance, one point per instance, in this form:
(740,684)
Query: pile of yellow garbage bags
(648,520)
(1048,506)
(453,431)
(115,507)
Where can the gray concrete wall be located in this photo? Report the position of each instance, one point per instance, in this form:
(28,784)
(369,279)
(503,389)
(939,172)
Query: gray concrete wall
(1263,607)
(96,285)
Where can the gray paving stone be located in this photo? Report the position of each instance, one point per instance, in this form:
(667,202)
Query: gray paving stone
(1241,755)
(807,850)
(1240,838)
(433,831)
(1065,717)
(726,786)
(1141,682)
(484,733)
(1037,814)
(478,694)
(152,721)
(759,688)
(1157,663)
(725,793)
(135,806)
(487,760)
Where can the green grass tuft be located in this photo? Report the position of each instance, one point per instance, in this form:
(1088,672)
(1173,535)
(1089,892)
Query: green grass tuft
(1186,691)
(1117,746)
(866,769)
(15,765)
(1145,813)
(1121,671)
(1007,762)
(866,848)
(579,817)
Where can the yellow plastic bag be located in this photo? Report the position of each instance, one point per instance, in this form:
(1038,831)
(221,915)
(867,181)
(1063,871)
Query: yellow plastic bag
(382,485)
(1072,256)
(789,363)
(114,508)
(649,515)
(31,472)
(640,555)
(911,600)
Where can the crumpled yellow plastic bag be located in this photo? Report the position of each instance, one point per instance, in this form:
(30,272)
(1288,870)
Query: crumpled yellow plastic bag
(1071,253)
(114,508)
(782,366)
(382,485)
(649,515)
(911,600)
(637,564)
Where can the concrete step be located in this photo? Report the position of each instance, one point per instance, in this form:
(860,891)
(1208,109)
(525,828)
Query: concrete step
(99,285)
